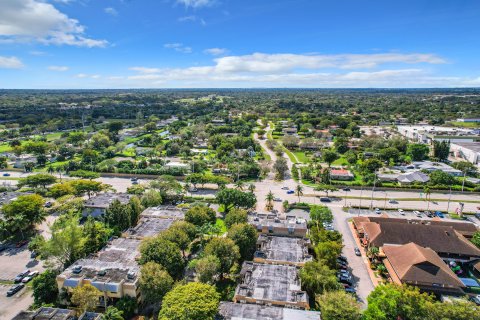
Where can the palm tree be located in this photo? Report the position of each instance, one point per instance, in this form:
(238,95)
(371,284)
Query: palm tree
(372,252)
(269,199)
(427,192)
(239,185)
(299,191)
(112,313)
(251,187)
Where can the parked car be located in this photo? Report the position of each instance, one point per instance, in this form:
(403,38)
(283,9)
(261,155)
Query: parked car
(21,243)
(15,289)
(439,214)
(350,290)
(417,213)
(401,212)
(378,211)
(277,199)
(21,275)
(357,252)
(290,192)
(323,199)
(134,179)
(475,299)
(343,258)
(428,214)
(344,273)
(347,280)
(284,188)
(30,276)
(48,204)
(342,267)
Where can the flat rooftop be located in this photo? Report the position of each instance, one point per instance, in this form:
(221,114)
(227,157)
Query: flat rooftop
(277,222)
(45,313)
(148,227)
(103,200)
(269,282)
(474,146)
(242,311)
(283,249)
(165,212)
(111,264)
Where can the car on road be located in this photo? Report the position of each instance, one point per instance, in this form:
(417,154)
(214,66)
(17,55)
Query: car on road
(439,214)
(134,179)
(392,201)
(6,174)
(30,276)
(21,275)
(15,289)
(357,251)
(285,188)
(401,212)
(48,204)
(277,199)
(323,199)
(346,189)
(290,192)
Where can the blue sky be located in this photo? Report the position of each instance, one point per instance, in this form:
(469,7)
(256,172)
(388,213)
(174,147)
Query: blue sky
(239,43)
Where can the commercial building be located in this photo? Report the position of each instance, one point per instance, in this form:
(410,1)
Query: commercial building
(282,250)
(113,270)
(427,134)
(469,151)
(241,311)
(422,267)
(445,240)
(270,284)
(98,205)
(434,166)
(468,120)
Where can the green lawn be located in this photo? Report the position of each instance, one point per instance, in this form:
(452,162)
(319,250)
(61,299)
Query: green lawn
(340,162)
(5,147)
(301,156)
(465,124)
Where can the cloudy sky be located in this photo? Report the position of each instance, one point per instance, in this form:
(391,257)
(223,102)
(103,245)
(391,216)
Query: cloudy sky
(239,43)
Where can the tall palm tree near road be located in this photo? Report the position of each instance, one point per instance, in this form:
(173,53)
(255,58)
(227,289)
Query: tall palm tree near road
(251,187)
(269,199)
(427,192)
(299,191)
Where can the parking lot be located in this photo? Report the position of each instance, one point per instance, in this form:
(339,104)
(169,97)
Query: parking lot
(12,262)
(11,306)
(393,213)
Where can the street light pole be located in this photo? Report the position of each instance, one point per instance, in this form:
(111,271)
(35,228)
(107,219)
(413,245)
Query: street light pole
(449,197)
(373,189)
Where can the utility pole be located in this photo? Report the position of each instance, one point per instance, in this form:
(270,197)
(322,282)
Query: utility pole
(360,205)
(463,183)
(373,189)
(449,197)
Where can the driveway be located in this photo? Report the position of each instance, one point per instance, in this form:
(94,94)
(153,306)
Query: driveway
(363,284)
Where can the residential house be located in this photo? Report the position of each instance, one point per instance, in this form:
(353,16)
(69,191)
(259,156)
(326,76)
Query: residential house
(341,174)
(279,227)
(46,313)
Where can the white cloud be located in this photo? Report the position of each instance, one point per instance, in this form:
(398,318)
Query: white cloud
(179,47)
(215,51)
(145,70)
(196,3)
(293,70)
(10,63)
(58,68)
(84,75)
(38,53)
(36,20)
(111,11)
